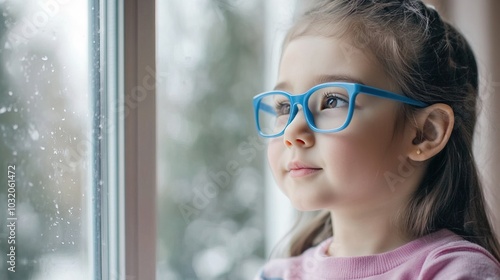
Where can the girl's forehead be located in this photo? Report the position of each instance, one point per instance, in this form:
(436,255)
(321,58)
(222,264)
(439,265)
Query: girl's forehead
(306,59)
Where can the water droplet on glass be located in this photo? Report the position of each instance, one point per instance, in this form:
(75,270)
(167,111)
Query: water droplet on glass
(3,110)
(57,236)
(57,206)
(44,57)
(15,126)
(36,92)
(42,148)
(33,133)
(59,192)
(10,93)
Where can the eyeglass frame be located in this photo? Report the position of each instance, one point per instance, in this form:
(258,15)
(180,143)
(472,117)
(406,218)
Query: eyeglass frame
(353,89)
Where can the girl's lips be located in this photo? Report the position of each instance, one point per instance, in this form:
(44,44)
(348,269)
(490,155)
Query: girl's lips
(298,169)
(295,173)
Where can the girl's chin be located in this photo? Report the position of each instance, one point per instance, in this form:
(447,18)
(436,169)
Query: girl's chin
(307,197)
(305,206)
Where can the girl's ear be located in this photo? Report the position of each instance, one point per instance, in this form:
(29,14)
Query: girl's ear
(433,128)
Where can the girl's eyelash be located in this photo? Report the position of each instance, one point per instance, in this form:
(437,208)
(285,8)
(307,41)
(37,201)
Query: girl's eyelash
(336,95)
(280,104)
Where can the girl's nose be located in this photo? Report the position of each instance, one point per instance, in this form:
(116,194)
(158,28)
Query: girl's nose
(298,133)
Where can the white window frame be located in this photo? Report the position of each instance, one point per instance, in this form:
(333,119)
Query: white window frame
(128,144)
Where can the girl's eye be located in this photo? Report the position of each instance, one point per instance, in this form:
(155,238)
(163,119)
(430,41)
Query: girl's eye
(282,108)
(332,100)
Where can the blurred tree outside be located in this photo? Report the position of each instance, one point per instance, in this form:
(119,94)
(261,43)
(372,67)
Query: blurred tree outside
(211,189)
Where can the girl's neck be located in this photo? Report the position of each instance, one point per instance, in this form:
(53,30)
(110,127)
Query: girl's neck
(362,236)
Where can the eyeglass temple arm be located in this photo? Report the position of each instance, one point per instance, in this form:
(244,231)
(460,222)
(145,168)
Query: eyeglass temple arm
(266,108)
(393,96)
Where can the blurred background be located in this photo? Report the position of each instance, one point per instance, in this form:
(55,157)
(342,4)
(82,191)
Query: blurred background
(212,58)
(219,214)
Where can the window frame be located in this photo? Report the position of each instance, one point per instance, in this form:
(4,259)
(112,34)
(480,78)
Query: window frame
(111,249)
(125,153)
(139,150)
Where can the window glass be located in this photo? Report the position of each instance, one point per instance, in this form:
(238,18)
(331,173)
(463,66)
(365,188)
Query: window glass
(46,130)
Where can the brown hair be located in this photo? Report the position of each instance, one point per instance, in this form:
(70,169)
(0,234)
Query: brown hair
(432,62)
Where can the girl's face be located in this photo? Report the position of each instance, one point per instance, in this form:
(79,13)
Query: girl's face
(350,168)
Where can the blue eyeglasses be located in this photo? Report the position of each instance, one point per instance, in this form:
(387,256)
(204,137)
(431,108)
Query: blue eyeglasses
(327,107)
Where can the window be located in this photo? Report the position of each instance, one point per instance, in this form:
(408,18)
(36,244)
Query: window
(47,148)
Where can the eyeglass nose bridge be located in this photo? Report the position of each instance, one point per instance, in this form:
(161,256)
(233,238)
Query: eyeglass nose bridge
(295,101)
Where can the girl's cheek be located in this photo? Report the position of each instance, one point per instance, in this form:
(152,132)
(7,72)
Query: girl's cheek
(274,153)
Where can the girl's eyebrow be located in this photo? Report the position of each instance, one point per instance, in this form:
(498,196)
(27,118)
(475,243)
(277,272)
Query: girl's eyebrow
(336,78)
(320,80)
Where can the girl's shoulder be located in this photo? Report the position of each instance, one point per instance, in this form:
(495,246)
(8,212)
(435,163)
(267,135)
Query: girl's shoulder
(439,255)
(457,258)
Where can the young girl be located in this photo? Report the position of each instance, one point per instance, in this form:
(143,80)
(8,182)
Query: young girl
(371,122)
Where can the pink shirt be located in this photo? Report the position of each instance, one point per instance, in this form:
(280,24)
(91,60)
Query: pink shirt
(439,255)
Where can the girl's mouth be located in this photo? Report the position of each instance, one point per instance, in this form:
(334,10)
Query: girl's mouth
(301,172)
(298,169)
